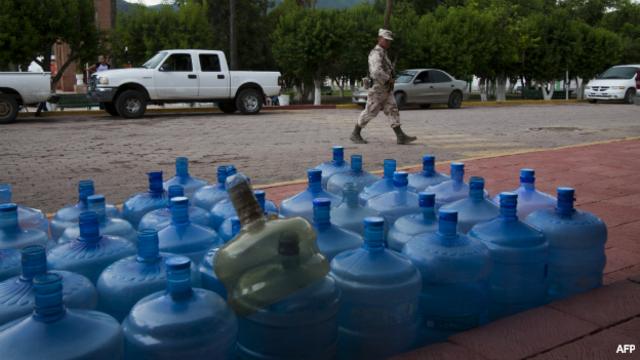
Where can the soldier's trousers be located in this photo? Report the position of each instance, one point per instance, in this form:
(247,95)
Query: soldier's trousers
(376,101)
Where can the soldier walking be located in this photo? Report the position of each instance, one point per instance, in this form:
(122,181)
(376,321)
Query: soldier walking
(380,95)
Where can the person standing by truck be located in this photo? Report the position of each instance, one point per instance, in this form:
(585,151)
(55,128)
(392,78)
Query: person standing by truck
(380,95)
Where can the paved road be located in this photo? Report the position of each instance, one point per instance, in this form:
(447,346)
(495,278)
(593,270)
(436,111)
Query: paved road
(44,158)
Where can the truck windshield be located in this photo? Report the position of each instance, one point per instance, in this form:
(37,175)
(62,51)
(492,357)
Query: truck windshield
(405,76)
(619,72)
(155,60)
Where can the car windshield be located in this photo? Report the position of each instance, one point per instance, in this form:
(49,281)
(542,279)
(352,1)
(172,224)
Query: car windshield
(620,72)
(155,60)
(405,76)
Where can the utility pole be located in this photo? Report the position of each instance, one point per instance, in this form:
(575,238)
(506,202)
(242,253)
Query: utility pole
(233,41)
(387,14)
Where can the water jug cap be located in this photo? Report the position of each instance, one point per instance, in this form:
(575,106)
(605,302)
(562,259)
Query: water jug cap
(155,181)
(400,179)
(85,189)
(8,207)
(34,261)
(566,198)
(178,262)
(338,153)
(373,233)
(426,199)
(314,175)
(428,160)
(178,276)
(321,202)
(389,168)
(175,191)
(148,245)
(448,215)
(356,162)
(508,200)
(261,196)
(321,212)
(182,166)
(89,226)
(527,176)
(97,199)
(457,170)
(476,183)
(48,297)
(5,193)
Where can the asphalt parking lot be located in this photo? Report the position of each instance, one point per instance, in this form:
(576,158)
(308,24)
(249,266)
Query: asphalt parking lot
(45,157)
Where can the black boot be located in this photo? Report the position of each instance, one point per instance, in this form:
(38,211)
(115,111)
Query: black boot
(356,137)
(403,138)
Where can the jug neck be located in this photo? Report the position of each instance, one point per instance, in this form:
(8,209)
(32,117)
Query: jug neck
(155,183)
(457,172)
(527,179)
(338,156)
(85,189)
(243,200)
(182,167)
(447,225)
(49,306)
(566,199)
(508,206)
(322,213)
(351,197)
(9,217)
(5,193)
(314,177)
(428,166)
(179,277)
(261,197)
(89,227)
(34,262)
(175,191)
(400,183)
(356,163)
(428,214)
(476,188)
(374,234)
(97,204)
(389,168)
(179,210)
(148,248)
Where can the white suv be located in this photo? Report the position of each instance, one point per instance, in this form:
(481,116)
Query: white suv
(619,82)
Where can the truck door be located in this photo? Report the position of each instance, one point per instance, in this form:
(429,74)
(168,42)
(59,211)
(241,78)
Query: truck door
(175,78)
(214,82)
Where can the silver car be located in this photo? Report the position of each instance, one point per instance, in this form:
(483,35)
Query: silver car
(423,87)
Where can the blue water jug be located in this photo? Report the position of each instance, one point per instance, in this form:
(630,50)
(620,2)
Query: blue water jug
(379,312)
(207,274)
(12,235)
(303,325)
(336,165)
(9,263)
(91,252)
(68,216)
(29,218)
(161,218)
(530,199)
(396,203)
(350,214)
(331,239)
(138,205)
(189,183)
(229,229)
(126,281)
(108,226)
(209,195)
(451,190)
(17,296)
(301,204)
(361,178)
(181,322)
(224,209)
(455,280)
(381,186)
(408,226)
(183,237)
(475,208)
(56,332)
(519,253)
(576,246)
(421,180)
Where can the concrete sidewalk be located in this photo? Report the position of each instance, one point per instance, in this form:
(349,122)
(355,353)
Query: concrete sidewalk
(587,326)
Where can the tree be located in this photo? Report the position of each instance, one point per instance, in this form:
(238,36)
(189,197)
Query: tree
(601,48)
(624,20)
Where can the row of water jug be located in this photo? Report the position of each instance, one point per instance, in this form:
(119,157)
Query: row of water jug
(409,282)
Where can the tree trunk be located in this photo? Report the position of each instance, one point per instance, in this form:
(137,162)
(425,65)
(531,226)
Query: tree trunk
(580,85)
(233,41)
(317,91)
(72,57)
(482,86)
(340,83)
(501,84)
(547,90)
(387,14)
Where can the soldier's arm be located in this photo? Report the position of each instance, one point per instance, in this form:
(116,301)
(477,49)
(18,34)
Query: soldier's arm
(376,70)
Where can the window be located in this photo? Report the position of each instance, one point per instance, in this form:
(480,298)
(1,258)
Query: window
(439,76)
(619,72)
(177,62)
(405,76)
(209,62)
(155,60)
(423,77)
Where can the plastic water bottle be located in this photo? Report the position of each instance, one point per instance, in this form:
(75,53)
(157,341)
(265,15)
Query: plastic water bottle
(451,190)
(209,195)
(57,332)
(17,296)
(301,204)
(336,165)
(409,226)
(161,218)
(181,322)
(421,180)
(29,218)
(189,183)
(474,209)
(140,204)
(397,203)
(350,214)
(356,175)
(379,312)
(455,280)
(9,263)
(12,235)
(519,253)
(68,216)
(229,229)
(331,240)
(108,226)
(183,237)
(224,209)
(576,246)
(126,281)
(208,276)
(530,199)
(381,186)
(91,252)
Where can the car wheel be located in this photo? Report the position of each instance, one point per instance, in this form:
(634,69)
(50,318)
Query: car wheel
(401,99)
(227,107)
(110,108)
(592,101)
(455,100)
(628,96)
(8,109)
(425,106)
(131,104)
(249,101)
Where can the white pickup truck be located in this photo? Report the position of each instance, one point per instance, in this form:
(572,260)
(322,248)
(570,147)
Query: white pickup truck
(20,89)
(182,76)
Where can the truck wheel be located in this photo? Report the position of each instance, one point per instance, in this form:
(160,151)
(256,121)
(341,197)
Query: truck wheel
(8,109)
(110,108)
(131,104)
(227,107)
(249,101)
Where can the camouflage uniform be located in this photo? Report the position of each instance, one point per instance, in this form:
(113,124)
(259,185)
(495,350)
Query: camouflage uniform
(380,96)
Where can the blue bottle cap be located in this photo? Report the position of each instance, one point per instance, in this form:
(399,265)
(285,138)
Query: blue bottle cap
(527,176)
(176,191)
(34,261)
(48,299)
(176,263)
(389,166)
(447,222)
(373,233)
(400,179)
(457,171)
(96,200)
(321,202)
(508,200)
(8,207)
(428,160)
(338,154)
(5,193)
(566,197)
(476,183)
(448,215)
(426,199)
(321,211)
(85,189)
(148,244)
(356,162)
(314,175)
(182,166)
(89,226)
(155,181)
